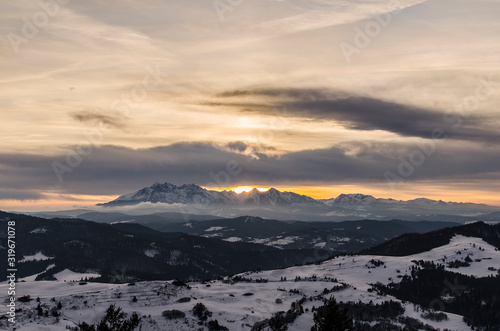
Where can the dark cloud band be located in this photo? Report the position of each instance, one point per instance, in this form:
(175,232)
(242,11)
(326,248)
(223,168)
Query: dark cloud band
(113,170)
(357,112)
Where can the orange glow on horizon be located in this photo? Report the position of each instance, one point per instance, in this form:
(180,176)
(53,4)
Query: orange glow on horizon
(56,201)
(240,189)
(413,191)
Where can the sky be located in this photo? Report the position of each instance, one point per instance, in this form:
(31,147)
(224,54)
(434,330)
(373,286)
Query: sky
(390,98)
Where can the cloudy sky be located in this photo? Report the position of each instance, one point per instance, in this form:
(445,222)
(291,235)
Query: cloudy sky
(390,98)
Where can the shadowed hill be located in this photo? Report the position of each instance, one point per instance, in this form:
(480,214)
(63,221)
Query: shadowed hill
(124,252)
(413,243)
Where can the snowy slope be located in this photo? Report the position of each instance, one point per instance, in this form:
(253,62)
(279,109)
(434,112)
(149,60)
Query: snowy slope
(239,305)
(39,256)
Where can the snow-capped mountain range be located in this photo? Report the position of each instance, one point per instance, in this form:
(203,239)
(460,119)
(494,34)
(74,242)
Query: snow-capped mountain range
(193,194)
(194,199)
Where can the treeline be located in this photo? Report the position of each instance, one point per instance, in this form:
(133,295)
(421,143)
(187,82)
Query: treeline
(477,299)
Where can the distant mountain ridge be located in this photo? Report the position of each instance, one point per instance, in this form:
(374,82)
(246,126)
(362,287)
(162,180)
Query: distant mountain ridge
(194,194)
(274,204)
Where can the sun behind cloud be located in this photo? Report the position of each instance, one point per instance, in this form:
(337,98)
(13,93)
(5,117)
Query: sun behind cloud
(241,189)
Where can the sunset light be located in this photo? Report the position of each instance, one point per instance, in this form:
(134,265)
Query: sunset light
(240,189)
(314,97)
(256,165)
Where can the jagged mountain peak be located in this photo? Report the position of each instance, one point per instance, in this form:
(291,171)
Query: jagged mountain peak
(162,192)
(254,191)
(350,199)
(353,196)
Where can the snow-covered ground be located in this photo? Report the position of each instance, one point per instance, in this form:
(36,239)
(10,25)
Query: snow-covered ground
(277,242)
(239,305)
(68,275)
(39,230)
(233,239)
(36,257)
(214,228)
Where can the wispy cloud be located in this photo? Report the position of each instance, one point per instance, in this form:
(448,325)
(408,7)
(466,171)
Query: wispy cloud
(311,15)
(111,119)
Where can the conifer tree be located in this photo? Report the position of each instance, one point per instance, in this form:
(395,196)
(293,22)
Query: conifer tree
(330,317)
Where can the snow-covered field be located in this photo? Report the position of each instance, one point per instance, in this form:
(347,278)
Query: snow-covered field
(239,305)
(37,257)
(68,275)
